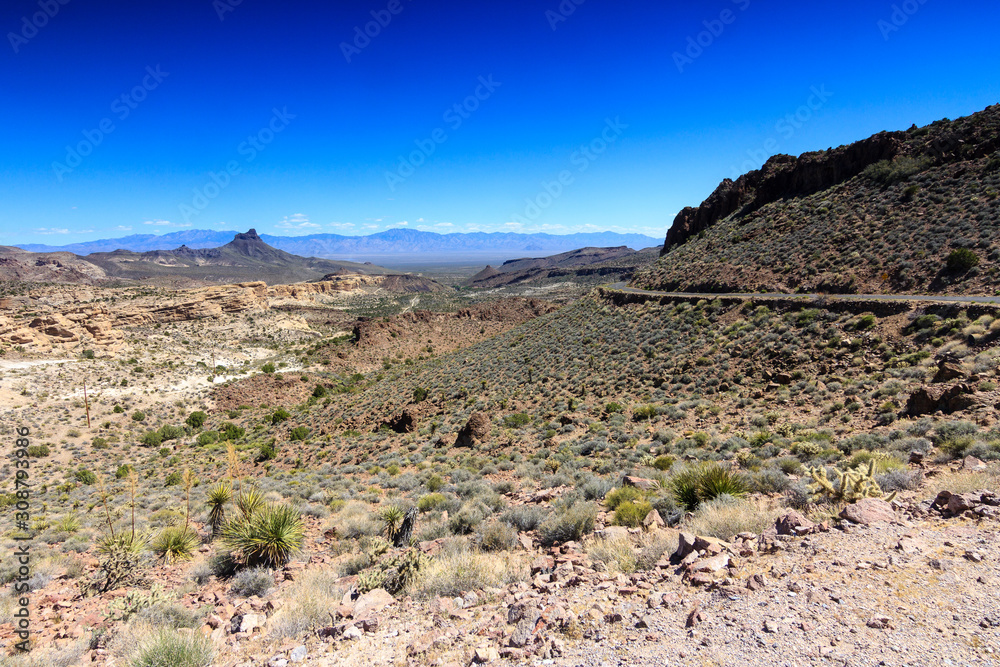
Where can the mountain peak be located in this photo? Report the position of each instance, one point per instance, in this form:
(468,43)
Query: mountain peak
(251,235)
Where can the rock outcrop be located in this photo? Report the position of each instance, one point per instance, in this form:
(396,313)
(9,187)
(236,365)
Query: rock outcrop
(782,176)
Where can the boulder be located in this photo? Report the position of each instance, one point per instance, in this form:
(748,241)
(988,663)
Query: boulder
(476,429)
(639,482)
(793,523)
(371,602)
(653,521)
(868,511)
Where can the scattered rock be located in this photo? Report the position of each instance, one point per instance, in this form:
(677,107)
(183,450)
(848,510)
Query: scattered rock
(868,511)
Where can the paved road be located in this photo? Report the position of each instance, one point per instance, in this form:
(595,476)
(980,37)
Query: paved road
(621,287)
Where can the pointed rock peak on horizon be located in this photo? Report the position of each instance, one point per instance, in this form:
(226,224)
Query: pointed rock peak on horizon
(251,235)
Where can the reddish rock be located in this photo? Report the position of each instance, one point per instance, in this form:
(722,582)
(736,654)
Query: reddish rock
(868,511)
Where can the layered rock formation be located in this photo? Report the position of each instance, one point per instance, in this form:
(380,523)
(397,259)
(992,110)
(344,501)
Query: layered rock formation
(98,326)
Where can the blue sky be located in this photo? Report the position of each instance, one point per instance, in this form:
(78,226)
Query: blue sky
(126,117)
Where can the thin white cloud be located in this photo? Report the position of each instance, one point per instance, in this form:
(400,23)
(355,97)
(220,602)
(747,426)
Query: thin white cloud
(513,225)
(51,230)
(297,221)
(371,226)
(403,223)
(342,225)
(124,228)
(444,224)
(421,220)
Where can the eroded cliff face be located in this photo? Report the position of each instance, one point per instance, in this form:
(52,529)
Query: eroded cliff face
(782,176)
(785,176)
(99,326)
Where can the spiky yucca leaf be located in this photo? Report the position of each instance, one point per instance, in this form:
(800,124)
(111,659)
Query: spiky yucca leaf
(392,518)
(218,497)
(268,537)
(249,501)
(123,543)
(174,544)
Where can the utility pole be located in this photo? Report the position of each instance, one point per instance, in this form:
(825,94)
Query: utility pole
(86,401)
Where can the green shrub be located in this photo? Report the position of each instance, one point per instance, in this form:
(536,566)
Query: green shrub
(208,438)
(644,413)
(612,408)
(252,581)
(320,391)
(431,501)
(138,416)
(173,479)
(151,439)
(99,443)
(84,476)
(962,259)
(280,415)
(38,451)
(496,536)
(420,394)
(664,462)
(230,431)
(568,524)
(267,451)
(268,368)
(196,419)
(168,432)
(299,433)
(123,471)
(525,517)
(434,483)
(625,494)
(516,420)
(631,513)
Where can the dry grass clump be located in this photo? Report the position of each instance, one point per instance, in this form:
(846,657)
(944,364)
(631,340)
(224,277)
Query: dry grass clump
(617,553)
(140,644)
(459,569)
(725,517)
(965,482)
(308,603)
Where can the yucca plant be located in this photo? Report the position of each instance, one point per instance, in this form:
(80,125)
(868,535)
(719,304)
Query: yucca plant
(695,484)
(218,497)
(267,536)
(249,501)
(174,544)
(392,519)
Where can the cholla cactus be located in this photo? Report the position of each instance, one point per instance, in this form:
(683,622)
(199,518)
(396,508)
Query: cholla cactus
(850,486)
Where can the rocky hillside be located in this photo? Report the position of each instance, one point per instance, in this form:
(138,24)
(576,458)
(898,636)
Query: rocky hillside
(587,265)
(912,211)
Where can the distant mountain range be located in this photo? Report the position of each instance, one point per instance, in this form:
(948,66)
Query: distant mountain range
(245,258)
(390,242)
